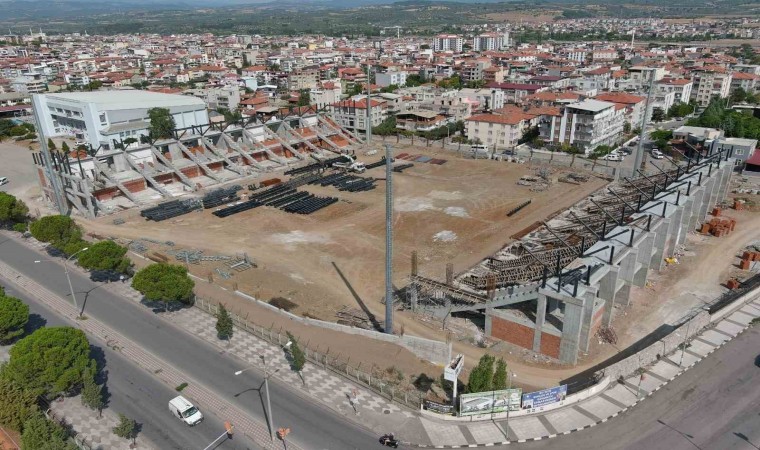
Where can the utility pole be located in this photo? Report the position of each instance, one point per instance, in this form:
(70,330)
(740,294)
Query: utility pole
(640,149)
(388,240)
(369,103)
(53,178)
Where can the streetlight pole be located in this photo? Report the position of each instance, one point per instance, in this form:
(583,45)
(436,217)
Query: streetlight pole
(266,388)
(68,278)
(509,397)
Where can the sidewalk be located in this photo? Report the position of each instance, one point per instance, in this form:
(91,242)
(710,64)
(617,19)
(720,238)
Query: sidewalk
(428,429)
(96,432)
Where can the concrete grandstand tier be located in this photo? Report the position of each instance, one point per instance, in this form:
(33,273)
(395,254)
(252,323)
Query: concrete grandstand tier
(551,290)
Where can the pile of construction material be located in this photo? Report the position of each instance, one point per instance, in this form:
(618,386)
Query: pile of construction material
(282,196)
(304,169)
(222,196)
(170,209)
(402,167)
(718,227)
(346,182)
(377,164)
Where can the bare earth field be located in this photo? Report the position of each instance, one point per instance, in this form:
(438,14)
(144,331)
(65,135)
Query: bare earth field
(454,212)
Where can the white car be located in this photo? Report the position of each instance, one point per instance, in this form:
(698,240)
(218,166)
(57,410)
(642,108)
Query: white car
(3,180)
(612,157)
(656,154)
(182,409)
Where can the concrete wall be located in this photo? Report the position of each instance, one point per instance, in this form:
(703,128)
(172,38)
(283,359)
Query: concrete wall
(660,348)
(436,352)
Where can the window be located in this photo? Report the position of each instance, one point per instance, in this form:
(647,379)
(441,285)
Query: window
(103,118)
(739,151)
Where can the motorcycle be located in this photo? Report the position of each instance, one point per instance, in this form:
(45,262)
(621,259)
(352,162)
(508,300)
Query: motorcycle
(388,440)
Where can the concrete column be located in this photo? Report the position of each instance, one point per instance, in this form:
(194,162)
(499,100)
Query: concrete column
(660,240)
(413,296)
(673,232)
(588,313)
(696,220)
(685,221)
(726,182)
(607,292)
(571,333)
(627,273)
(540,318)
(713,189)
(707,186)
(488,323)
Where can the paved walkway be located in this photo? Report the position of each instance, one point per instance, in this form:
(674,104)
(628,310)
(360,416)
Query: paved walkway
(426,430)
(97,432)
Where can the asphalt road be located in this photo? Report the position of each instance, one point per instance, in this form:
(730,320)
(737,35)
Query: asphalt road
(313,425)
(132,391)
(713,406)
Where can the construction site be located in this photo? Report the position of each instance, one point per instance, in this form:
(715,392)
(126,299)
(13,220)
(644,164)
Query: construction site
(293,209)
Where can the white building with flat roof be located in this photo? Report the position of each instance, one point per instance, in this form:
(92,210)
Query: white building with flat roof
(586,125)
(104,117)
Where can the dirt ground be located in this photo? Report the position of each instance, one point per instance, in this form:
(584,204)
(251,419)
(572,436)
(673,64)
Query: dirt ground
(455,212)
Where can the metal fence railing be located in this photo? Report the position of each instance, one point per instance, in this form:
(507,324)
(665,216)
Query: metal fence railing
(411,398)
(79,439)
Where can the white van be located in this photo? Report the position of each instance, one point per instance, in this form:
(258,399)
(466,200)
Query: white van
(3,180)
(479,148)
(182,409)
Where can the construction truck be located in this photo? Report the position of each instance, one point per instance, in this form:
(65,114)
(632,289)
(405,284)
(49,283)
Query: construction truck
(350,164)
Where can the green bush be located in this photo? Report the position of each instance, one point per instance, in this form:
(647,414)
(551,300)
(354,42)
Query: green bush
(168,283)
(105,255)
(14,315)
(19,227)
(51,360)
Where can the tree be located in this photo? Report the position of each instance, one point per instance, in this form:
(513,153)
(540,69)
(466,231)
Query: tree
(500,375)
(481,376)
(14,314)
(126,429)
(60,231)
(304,97)
(163,282)
(627,127)
(658,115)
(105,255)
(161,123)
(50,361)
(739,95)
(92,393)
(299,358)
(16,404)
(51,145)
(12,209)
(224,326)
(41,433)
(65,148)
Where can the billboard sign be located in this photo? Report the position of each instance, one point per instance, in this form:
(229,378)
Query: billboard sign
(440,408)
(452,371)
(537,400)
(489,402)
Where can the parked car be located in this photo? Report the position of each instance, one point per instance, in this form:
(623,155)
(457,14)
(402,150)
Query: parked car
(612,157)
(3,180)
(656,154)
(625,151)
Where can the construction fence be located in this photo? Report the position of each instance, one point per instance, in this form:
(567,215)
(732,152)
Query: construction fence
(410,398)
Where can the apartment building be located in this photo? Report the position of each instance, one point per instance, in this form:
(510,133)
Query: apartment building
(498,131)
(303,79)
(641,76)
(448,103)
(388,78)
(710,82)
(747,81)
(633,105)
(225,97)
(586,125)
(680,87)
(488,42)
(352,113)
(448,42)
(29,84)
(484,99)
(419,120)
(474,71)
(495,74)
